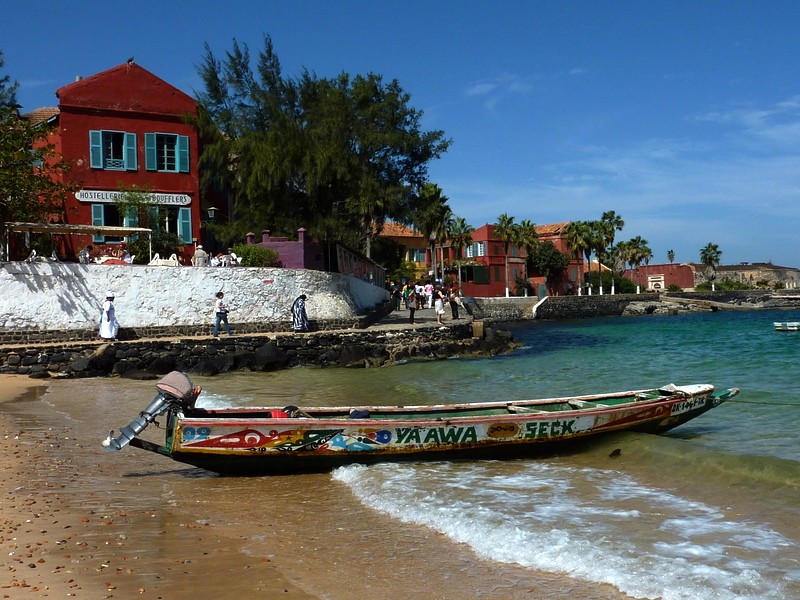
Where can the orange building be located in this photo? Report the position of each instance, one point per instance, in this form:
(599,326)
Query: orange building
(414,245)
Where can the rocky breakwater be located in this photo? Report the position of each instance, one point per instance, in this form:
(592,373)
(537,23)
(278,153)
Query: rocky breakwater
(148,359)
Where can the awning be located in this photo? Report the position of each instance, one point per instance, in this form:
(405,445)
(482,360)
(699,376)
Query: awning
(63,228)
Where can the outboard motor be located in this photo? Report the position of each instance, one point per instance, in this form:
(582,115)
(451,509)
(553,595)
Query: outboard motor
(175,390)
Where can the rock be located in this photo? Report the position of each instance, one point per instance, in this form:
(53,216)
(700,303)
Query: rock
(162,365)
(138,375)
(352,356)
(205,367)
(269,357)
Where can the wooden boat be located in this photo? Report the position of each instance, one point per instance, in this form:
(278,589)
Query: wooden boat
(787,326)
(289,439)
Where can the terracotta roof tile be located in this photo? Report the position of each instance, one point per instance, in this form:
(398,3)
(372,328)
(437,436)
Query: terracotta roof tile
(391,229)
(41,115)
(551,228)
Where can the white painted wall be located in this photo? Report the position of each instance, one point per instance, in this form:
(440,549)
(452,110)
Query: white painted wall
(58,296)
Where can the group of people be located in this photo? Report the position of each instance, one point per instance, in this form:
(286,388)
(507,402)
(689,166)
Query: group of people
(202,258)
(109,326)
(299,315)
(111,252)
(416,295)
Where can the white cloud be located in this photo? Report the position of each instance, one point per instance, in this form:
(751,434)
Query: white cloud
(495,91)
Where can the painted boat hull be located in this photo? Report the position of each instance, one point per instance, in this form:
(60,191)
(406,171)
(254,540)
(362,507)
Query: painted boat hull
(253,441)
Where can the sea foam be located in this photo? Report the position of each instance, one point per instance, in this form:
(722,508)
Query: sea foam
(590,524)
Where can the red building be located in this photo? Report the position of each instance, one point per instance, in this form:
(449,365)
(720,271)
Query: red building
(568,281)
(121,129)
(486,278)
(659,277)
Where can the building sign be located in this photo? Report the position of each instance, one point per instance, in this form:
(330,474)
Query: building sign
(95,196)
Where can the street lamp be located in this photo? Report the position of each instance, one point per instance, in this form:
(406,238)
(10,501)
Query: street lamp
(211,211)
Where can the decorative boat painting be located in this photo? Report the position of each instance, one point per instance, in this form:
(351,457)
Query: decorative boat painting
(263,440)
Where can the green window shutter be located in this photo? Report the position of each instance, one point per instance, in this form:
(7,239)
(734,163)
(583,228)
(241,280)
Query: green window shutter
(152,215)
(150,151)
(96,149)
(183,154)
(185,225)
(131,217)
(132,220)
(130,151)
(98,219)
(481,274)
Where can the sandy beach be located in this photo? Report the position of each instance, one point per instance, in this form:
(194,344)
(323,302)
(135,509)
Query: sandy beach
(55,545)
(85,523)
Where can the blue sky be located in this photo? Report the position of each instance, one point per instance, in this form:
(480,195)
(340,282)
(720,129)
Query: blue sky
(681,116)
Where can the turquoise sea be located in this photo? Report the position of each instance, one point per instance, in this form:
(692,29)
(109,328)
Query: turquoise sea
(710,510)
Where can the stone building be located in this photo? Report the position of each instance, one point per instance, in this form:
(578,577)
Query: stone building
(757,275)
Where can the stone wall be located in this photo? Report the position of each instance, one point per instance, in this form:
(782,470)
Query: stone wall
(148,359)
(50,301)
(607,305)
(554,307)
(577,307)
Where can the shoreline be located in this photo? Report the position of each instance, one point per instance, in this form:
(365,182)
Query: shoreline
(84,523)
(56,545)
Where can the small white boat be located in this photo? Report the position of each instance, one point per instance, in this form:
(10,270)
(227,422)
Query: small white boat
(787,325)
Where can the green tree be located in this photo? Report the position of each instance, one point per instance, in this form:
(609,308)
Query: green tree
(8,88)
(710,255)
(636,252)
(577,236)
(596,245)
(507,232)
(254,255)
(610,223)
(671,256)
(528,239)
(547,260)
(432,218)
(460,236)
(337,156)
(31,172)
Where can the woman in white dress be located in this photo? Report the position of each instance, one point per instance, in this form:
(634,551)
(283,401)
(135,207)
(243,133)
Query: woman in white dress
(109,326)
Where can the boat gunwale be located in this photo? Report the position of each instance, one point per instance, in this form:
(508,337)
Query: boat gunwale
(428,416)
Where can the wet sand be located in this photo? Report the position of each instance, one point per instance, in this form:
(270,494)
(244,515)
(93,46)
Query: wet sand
(58,542)
(78,521)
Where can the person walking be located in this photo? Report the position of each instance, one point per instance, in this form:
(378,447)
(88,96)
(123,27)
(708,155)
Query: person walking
(221,314)
(299,316)
(438,304)
(411,304)
(109,326)
(428,295)
(454,300)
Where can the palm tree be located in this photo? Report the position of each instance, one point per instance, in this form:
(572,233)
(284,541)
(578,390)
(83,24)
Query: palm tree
(528,239)
(611,222)
(460,235)
(431,218)
(710,255)
(638,252)
(577,237)
(671,256)
(507,232)
(596,245)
